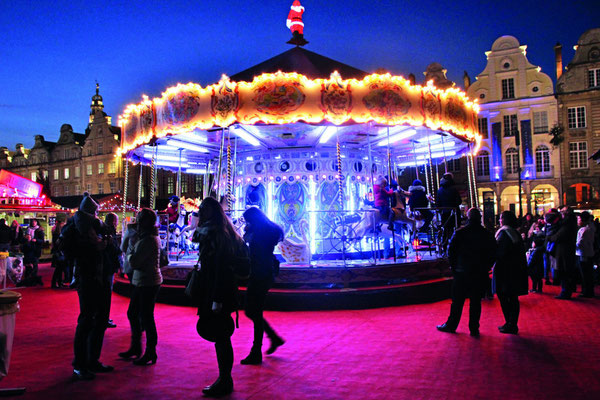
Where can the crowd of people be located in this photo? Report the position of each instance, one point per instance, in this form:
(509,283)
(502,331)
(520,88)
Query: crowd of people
(560,248)
(224,256)
(27,241)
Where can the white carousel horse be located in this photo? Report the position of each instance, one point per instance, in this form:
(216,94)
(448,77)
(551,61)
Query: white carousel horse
(295,251)
(372,225)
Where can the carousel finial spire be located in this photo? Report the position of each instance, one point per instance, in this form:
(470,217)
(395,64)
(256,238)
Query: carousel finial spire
(294,22)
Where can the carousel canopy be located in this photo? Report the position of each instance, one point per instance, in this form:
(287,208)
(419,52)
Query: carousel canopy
(303,105)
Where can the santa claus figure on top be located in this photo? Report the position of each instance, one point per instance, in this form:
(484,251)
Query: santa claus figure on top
(295,24)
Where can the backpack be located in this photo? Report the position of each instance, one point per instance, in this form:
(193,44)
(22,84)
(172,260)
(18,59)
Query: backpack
(68,240)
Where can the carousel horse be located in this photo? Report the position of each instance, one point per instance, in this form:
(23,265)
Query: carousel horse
(372,225)
(295,251)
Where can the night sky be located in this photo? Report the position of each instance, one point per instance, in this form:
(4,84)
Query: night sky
(52,52)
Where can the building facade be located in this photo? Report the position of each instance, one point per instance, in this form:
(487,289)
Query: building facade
(578,96)
(518,110)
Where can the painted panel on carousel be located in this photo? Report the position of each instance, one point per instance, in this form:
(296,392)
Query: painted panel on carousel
(336,98)
(291,200)
(328,200)
(256,195)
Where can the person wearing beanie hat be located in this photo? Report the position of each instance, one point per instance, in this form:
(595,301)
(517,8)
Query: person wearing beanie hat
(471,253)
(89,334)
(418,198)
(88,205)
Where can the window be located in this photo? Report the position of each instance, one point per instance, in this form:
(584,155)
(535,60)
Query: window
(100,148)
(113,186)
(198,183)
(66,190)
(512,161)
(542,159)
(88,188)
(56,191)
(510,125)
(89,152)
(67,154)
(508,88)
(112,167)
(483,163)
(77,172)
(184,184)
(576,116)
(100,168)
(56,174)
(170,185)
(77,190)
(453,165)
(100,188)
(88,169)
(483,127)
(34,176)
(594,77)
(66,173)
(540,122)
(578,155)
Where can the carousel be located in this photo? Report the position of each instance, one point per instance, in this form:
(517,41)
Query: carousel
(305,138)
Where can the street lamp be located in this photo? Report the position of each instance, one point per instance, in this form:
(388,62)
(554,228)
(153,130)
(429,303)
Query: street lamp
(517,136)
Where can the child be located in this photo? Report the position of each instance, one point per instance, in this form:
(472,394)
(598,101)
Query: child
(535,264)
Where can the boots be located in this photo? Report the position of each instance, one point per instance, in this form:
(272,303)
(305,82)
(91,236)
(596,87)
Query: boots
(135,350)
(221,387)
(148,358)
(275,343)
(254,358)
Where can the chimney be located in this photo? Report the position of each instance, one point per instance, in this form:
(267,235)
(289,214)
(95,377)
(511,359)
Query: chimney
(558,60)
(466,80)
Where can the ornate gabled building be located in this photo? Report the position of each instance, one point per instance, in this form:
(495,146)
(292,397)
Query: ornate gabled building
(518,110)
(578,96)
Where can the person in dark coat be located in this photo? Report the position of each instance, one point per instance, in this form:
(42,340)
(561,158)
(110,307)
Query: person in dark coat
(471,255)
(59,262)
(88,266)
(30,277)
(146,280)
(218,242)
(4,235)
(417,198)
(553,222)
(16,235)
(262,235)
(565,240)
(535,264)
(510,271)
(448,196)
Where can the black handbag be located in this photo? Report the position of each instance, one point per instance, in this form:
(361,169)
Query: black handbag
(193,287)
(214,326)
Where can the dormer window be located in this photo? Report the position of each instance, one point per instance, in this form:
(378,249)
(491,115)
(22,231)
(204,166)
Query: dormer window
(508,88)
(594,78)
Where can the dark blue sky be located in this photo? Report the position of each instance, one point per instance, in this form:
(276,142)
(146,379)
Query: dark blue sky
(51,52)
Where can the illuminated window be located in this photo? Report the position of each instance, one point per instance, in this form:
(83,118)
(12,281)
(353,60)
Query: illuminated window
(576,116)
(170,185)
(77,172)
(510,125)
(594,77)
(512,161)
(198,183)
(34,176)
(483,127)
(184,184)
(100,168)
(100,188)
(483,163)
(540,122)
(508,88)
(578,155)
(56,174)
(88,169)
(66,173)
(112,167)
(542,159)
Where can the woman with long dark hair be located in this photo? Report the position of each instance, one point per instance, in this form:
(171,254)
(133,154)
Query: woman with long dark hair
(261,235)
(218,245)
(510,271)
(145,262)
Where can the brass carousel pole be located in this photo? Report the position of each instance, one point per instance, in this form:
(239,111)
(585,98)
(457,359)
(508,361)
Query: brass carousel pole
(139,202)
(125,187)
(390,176)
(153,179)
(340,177)
(220,162)
(229,193)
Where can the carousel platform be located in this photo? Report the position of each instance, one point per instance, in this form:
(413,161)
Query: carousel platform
(333,284)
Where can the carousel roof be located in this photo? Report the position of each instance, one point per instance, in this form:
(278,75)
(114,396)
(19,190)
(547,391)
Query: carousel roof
(302,61)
